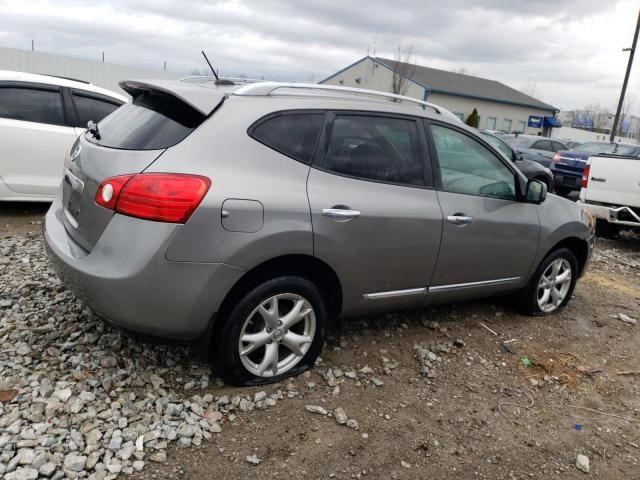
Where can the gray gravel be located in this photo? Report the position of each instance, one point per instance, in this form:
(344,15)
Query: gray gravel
(80,399)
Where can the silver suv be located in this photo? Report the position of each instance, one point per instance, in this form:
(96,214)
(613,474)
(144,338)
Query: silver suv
(253,217)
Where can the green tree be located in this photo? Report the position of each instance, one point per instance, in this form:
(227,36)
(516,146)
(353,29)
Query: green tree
(473,120)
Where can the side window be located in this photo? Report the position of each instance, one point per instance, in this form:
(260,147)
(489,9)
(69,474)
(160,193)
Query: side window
(90,107)
(375,148)
(558,146)
(31,105)
(292,134)
(466,166)
(542,145)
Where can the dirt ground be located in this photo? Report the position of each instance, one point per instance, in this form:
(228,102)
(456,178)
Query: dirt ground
(518,399)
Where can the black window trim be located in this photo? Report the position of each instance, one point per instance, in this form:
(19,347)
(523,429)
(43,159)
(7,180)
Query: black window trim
(518,177)
(40,86)
(72,92)
(281,113)
(323,143)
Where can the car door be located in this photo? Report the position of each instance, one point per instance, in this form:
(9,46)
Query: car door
(489,237)
(34,137)
(375,215)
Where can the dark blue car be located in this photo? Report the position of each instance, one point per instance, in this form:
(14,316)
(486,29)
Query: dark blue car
(567,165)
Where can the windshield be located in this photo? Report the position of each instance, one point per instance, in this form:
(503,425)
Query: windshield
(520,142)
(152,121)
(499,144)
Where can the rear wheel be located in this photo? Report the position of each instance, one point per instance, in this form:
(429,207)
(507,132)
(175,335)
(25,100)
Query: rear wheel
(274,331)
(551,286)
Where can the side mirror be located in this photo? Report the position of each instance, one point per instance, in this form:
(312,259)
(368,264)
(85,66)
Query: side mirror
(536,192)
(517,156)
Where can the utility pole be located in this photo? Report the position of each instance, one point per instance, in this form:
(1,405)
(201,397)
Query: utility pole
(165,65)
(32,45)
(102,57)
(631,51)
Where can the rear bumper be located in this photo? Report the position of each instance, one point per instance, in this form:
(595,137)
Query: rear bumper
(127,280)
(562,180)
(619,215)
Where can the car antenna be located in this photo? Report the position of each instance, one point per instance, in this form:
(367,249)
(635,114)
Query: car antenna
(218,81)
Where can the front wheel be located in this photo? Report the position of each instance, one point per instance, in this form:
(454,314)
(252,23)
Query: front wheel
(551,286)
(274,331)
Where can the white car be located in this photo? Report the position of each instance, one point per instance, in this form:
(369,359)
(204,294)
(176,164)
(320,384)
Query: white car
(40,118)
(611,192)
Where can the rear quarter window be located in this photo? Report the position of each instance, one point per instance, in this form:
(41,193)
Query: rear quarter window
(152,121)
(292,134)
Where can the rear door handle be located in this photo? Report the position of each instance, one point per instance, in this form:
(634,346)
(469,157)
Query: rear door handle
(459,219)
(340,214)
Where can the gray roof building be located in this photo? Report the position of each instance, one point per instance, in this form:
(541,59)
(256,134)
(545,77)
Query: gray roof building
(499,106)
(452,83)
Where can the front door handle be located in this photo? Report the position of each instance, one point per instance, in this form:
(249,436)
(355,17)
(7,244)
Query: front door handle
(340,214)
(459,219)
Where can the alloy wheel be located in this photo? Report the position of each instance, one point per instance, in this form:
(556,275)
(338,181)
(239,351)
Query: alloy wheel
(277,335)
(554,285)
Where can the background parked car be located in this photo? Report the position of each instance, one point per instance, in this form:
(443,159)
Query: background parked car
(571,144)
(568,165)
(40,118)
(532,147)
(532,170)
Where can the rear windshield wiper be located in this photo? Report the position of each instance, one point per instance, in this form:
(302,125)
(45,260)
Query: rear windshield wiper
(92,128)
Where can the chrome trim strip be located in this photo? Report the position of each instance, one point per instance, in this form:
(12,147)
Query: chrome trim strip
(484,283)
(394,293)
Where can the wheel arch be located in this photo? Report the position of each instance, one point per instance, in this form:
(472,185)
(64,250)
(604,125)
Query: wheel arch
(306,266)
(578,246)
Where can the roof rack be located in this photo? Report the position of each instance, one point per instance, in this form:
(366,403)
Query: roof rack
(200,79)
(268,88)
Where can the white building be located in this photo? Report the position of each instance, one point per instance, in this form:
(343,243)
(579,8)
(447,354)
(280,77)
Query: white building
(500,107)
(105,75)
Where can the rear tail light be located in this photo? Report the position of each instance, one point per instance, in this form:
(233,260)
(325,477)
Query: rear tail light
(556,158)
(585,176)
(163,197)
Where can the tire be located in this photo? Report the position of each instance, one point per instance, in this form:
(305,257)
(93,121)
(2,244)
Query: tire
(264,327)
(605,229)
(532,302)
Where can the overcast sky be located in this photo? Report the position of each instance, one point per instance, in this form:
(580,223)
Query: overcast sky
(569,49)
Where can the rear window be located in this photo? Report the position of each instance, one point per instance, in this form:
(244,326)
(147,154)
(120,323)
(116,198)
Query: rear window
(92,107)
(292,134)
(39,105)
(152,121)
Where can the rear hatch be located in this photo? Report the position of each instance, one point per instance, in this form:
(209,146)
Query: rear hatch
(127,142)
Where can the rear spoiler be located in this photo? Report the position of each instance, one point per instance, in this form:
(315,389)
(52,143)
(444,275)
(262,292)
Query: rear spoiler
(204,100)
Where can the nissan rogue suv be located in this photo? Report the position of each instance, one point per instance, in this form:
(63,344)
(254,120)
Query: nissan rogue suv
(253,217)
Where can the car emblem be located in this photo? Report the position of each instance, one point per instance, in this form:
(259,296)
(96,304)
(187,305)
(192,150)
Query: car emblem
(75,152)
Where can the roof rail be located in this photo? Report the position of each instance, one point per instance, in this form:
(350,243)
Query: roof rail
(210,78)
(268,88)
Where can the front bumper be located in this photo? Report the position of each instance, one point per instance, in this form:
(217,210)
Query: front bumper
(127,280)
(613,214)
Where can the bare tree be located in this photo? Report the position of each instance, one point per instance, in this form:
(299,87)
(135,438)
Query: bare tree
(624,114)
(597,116)
(530,88)
(403,70)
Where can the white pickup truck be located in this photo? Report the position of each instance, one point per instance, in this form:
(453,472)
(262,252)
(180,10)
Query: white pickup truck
(611,192)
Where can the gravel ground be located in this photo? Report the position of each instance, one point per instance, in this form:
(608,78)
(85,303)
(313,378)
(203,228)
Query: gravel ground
(426,394)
